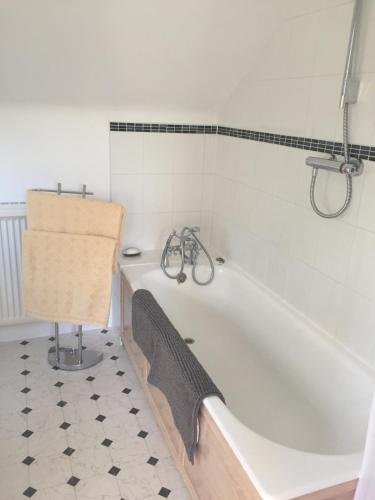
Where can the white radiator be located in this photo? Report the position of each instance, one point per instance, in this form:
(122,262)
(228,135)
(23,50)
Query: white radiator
(12,223)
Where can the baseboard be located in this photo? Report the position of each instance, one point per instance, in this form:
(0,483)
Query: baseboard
(35,329)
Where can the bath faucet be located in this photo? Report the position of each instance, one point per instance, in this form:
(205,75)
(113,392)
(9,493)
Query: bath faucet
(188,248)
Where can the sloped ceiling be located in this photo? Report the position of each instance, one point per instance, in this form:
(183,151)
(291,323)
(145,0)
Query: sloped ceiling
(130,53)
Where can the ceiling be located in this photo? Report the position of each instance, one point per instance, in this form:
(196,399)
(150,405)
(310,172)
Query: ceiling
(143,54)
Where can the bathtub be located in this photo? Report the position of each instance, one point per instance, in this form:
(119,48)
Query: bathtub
(297,404)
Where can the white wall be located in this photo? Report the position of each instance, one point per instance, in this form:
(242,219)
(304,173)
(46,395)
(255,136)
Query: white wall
(262,217)
(164,181)
(40,146)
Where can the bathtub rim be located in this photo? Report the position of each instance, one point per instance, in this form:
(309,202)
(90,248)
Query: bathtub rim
(264,480)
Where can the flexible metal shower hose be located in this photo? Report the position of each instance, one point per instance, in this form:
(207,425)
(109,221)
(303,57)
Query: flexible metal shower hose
(314,174)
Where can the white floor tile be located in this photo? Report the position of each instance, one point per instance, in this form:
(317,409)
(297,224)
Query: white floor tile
(90,462)
(100,487)
(102,417)
(46,472)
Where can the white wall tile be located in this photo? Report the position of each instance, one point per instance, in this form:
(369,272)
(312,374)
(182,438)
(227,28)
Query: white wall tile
(366,218)
(285,174)
(128,190)
(157,192)
(158,154)
(323,114)
(133,230)
(299,277)
(187,192)
(277,268)
(126,151)
(367,38)
(362,267)
(258,252)
(225,192)
(300,59)
(357,325)
(325,302)
(188,153)
(182,219)
(210,153)
(334,27)
(334,248)
(208,181)
(362,114)
(169,186)
(156,228)
(305,235)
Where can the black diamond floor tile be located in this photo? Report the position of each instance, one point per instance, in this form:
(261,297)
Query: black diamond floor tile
(104,331)
(25,390)
(90,379)
(24,342)
(164,492)
(95,397)
(26,410)
(109,344)
(51,339)
(142,434)
(69,451)
(127,390)
(61,403)
(107,442)
(120,373)
(114,471)
(29,492)
(134,411)
(100,418)
(25,372)
(73,481)
(59,384)
(27,433)
(25,356)
(114,358)
(28,460)
(65,425)
(152,460)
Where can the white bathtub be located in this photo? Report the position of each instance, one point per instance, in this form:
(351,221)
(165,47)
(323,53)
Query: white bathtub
(297,405)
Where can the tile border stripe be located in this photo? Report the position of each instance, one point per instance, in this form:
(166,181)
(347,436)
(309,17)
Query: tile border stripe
(320,145)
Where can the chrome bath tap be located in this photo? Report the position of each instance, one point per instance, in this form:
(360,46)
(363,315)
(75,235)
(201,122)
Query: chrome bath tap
(188,247)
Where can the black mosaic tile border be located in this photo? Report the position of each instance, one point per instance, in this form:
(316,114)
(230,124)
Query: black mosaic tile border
(356,150)
(168,128)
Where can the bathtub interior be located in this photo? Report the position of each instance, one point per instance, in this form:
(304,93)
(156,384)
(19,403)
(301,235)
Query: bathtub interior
(280,378)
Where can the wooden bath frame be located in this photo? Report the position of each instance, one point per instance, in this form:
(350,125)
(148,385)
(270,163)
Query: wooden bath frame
(216,474)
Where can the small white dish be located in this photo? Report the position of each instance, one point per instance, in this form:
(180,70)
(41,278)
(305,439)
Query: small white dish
(131,252)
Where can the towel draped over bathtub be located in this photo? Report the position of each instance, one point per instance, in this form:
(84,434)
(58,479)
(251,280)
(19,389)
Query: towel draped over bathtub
(173,367)
(69,253)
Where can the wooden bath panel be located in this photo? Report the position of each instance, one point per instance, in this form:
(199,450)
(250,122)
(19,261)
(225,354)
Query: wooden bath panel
(216,474)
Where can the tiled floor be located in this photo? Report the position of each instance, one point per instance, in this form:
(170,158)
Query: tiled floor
(79,435)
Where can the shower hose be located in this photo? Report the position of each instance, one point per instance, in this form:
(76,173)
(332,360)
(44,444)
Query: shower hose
(180,272)
(348,176)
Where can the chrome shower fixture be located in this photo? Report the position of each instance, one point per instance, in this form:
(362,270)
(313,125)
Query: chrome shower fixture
(351,167)
(188,247)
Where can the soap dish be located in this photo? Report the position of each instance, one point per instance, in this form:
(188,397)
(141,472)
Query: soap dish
(131,252)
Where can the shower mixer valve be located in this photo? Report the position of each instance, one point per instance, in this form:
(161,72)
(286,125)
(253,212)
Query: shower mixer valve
(352,166)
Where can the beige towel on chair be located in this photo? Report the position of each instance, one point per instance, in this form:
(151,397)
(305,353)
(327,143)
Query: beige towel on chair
(68,214)
(67,277)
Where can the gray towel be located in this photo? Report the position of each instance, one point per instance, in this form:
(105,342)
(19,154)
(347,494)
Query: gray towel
(173,367)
